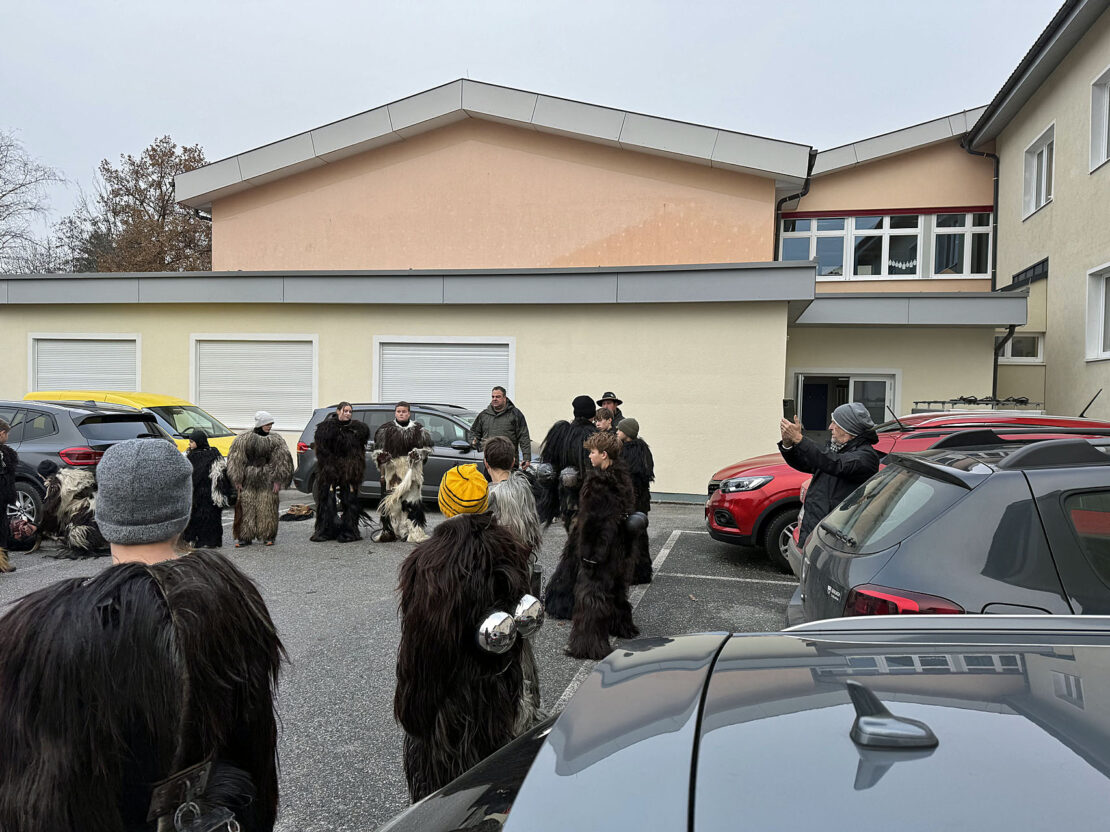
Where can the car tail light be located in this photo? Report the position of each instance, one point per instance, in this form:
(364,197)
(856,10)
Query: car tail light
(302,447)
(869,599)
(80,456)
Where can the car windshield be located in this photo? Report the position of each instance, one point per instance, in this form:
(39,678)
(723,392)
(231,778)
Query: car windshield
(107,429)
(186,417)
(886,510)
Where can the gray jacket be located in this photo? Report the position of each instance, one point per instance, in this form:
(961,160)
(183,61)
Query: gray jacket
(510,423)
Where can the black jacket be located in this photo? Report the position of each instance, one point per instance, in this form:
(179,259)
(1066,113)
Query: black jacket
(835,475)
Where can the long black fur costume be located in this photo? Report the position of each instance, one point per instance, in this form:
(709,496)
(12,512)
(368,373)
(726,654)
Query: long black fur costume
(400,453)
(563,448)
(8,461)
(211,495)
(340,466)
(457,703)
(69,512)
(600,548)
(115,682)
(641,467)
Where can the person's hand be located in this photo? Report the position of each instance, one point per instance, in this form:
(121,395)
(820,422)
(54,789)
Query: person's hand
(791,431)
(277,487)
(526,463)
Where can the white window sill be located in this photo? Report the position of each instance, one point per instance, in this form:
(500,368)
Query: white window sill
(1100,165)
(1036,211)
(859,278)
(1098,358)
(1010,362)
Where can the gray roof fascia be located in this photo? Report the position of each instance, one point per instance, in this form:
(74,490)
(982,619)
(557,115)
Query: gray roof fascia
(897,141)
(792,282)
(1063,32)
(787,162)
(955,309)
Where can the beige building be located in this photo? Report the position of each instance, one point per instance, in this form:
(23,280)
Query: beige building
(1048,126)
(474,235)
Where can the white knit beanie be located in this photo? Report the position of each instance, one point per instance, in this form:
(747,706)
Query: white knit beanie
(262,418)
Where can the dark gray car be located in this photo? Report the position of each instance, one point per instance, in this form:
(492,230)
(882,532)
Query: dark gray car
(449,426)
(67,434)
(915,722)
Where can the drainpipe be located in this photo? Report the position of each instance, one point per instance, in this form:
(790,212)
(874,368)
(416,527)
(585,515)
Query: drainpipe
(785,199)
(1001,345)
(994,210)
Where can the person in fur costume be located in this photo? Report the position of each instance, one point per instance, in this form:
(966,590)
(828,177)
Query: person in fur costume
(149,686)
(637,456)
(340,444)
(401,448)
(69,511)
(456,701)
(259,465)
(9,459)
(599,546)
(563,450)
(210,494)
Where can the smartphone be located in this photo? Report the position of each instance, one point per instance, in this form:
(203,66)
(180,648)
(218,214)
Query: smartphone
(788,409)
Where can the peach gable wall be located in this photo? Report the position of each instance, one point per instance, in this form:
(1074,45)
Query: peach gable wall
(483,195)
(939,176)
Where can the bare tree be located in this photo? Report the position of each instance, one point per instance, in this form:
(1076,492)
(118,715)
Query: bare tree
(23,183)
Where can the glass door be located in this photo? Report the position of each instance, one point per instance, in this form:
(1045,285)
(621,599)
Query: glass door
(876,393)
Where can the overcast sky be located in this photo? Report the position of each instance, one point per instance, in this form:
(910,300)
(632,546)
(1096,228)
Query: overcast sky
(83,81)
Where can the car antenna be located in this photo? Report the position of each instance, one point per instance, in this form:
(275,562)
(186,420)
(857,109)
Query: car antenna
(1091,402)
(896,419)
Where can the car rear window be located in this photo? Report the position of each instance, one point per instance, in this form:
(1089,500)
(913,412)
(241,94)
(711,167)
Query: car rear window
(1089,515)
(886,510)
(106,429)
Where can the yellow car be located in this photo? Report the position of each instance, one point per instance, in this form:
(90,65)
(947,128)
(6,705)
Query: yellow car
(177,416)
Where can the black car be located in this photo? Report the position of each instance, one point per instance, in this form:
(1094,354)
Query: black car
(980,525)
(448,424)
(68,434)
(917,723)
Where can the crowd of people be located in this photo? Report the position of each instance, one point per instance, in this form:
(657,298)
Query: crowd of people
(190,740)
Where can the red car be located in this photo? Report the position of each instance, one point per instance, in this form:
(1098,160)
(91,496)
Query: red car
(755,502)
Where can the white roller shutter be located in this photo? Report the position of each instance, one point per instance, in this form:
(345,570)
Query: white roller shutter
(235,379)
(85,364)
(459,373)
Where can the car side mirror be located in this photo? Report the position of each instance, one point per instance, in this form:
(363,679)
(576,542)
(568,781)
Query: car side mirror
(460,445)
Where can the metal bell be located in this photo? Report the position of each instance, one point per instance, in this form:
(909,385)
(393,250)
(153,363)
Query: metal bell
(528,615)
(497,633)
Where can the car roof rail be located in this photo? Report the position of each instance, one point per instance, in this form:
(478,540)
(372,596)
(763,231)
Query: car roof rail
(988,437)
(965,623)
(1053,453)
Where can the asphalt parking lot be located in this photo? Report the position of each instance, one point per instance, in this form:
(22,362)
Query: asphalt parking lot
(335,608)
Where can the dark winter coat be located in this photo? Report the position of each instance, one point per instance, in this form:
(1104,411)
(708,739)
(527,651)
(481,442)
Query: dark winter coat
(341,451)
(8,462)
(835,475)
(509,423)
(641,467)
(205,529)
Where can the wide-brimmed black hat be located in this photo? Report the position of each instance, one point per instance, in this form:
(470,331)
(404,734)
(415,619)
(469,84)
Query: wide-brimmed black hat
(609,397)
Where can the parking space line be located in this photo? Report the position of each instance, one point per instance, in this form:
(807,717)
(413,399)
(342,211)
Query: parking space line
(727,578)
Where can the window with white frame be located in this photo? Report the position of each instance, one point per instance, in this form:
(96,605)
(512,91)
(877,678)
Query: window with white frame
(1100,120)
(1023,348)
(1098,313)
(891,246)
(1039,164)
(236,377)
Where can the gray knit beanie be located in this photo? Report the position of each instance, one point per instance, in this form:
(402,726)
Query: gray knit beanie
(144,492)
(262,418)
(629,427)
(853,418)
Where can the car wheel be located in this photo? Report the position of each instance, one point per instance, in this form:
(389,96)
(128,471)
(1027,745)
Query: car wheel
(776,535)
(28,503)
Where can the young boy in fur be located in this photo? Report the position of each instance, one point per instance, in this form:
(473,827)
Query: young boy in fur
(641,467)
(401,449)
(69,511)
(210,494)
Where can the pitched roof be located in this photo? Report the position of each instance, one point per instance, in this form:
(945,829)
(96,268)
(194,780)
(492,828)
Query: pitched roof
(786,162)
(1063,32)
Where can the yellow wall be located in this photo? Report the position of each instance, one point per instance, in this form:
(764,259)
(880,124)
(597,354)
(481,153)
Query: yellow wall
(483,195)
(934,362)
(1073,230)
(1022,380)
(662,359)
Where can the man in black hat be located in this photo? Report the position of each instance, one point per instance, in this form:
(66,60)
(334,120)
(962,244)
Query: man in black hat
(611,403)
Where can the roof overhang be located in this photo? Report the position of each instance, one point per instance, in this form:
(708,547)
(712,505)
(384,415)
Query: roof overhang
(1063,32)
(896,142)
(785,162)
(792,282)
(959,309)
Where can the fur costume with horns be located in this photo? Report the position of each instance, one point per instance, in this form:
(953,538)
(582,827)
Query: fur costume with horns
(258,464)
(69,512)
(596,565)
(400,454)
(641,467)
(212,493)
(340,465)
(457,703)
(119,681)
(8,462)
(562,450)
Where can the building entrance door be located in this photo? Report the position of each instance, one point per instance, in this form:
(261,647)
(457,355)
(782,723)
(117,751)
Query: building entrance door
(818,395)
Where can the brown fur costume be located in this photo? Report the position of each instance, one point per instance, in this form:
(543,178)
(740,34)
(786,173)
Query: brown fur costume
(69,512)
(150,670)
(457,703)
(256,463)
(641,467)
(8,461)
(599,547)
(401,451)
(340,465)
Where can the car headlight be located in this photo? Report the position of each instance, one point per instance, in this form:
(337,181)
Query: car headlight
(744,484)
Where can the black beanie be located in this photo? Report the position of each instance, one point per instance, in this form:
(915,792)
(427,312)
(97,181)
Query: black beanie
(199,437)
(584,407)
